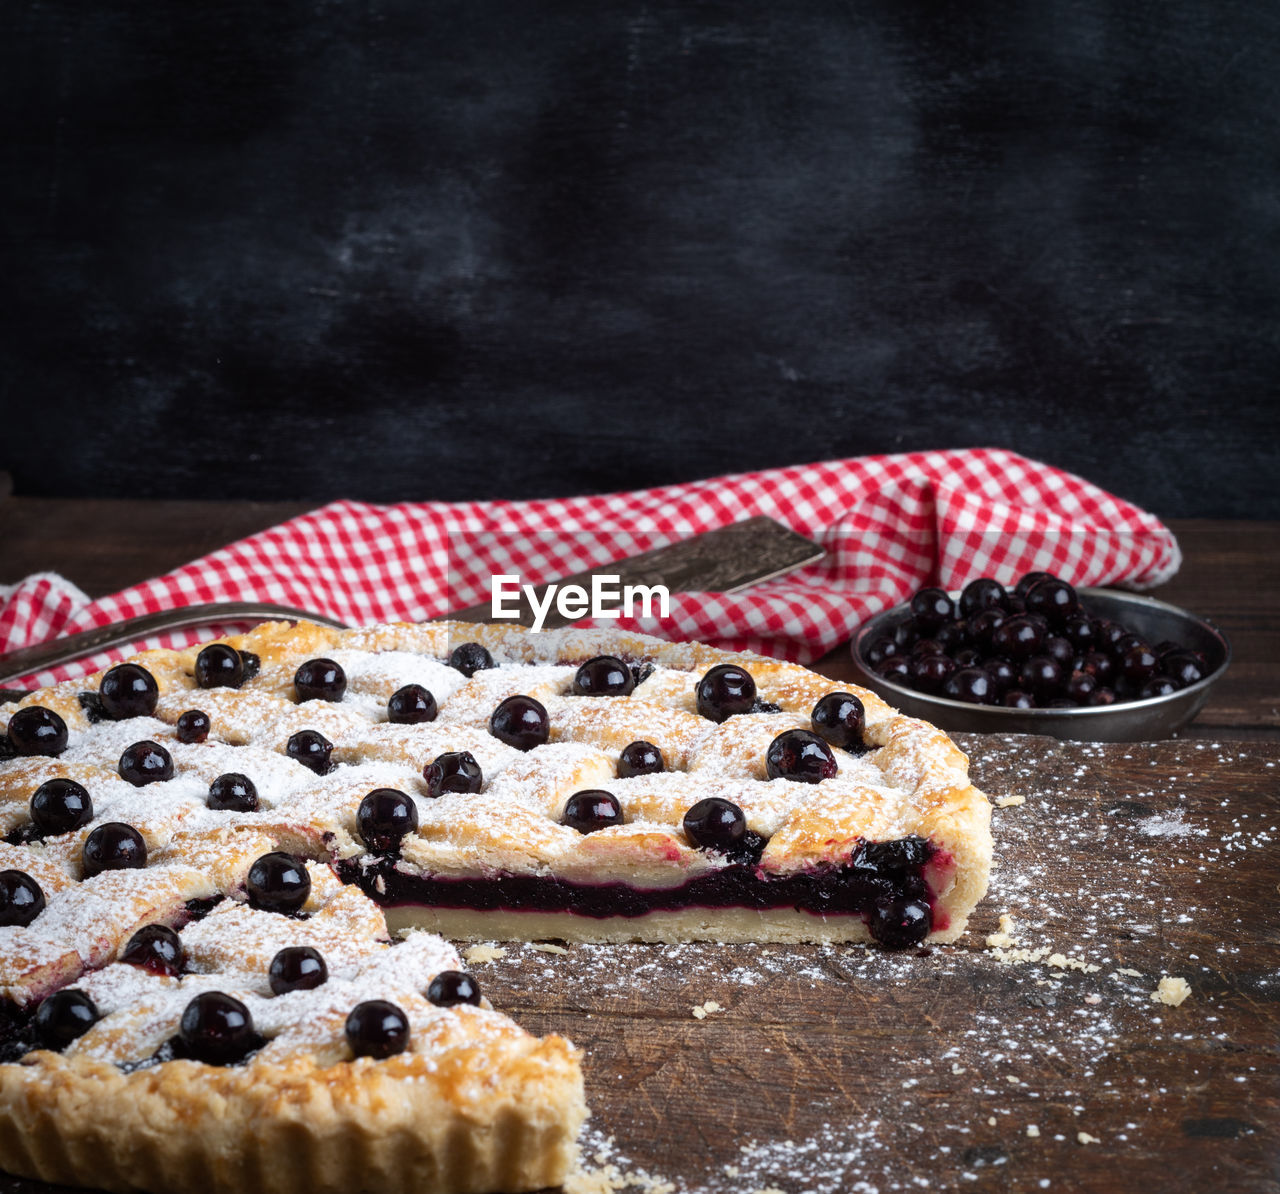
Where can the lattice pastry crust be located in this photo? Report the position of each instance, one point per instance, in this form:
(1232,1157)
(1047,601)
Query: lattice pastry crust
(474,1103)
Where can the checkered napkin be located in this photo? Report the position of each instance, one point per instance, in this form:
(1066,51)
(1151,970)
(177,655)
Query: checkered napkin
(889,524)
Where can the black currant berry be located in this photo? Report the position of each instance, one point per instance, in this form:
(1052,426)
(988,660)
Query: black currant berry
(469,658)
(591,809)
(452,987)
(604,675)
(715,824)
(640,758)
(113,846)
(278,882)
(726,690)
(59,806)
(21,898)
(36,730)
(145,762)
(234,793)
(384,817)
(411,705)
(312,749)
(453,771)
(800,755)
(219,666)
(841,719)
(217,1029)
(64,1017)
(156,948)
(128,690)
(899,923)
(297,968)
(193,726)
(319,680)
(520,721)
(377,1029)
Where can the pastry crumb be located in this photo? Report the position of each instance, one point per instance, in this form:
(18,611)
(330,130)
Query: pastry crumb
(1085,1138)
(1172,991)
(957,1068)
(479,954)
(1010,801)
(610,1179)
(1033,1131)
(1130,973)
(703,1010)
(1003,938)
(1012,1079)
(1093,999)
(545,947)
(991,1121)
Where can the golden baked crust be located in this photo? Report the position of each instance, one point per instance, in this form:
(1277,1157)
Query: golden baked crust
(475,1103)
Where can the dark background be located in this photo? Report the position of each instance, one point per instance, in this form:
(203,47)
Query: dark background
(409,249)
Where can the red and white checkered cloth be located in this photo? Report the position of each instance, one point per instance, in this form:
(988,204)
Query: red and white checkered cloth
(890,524)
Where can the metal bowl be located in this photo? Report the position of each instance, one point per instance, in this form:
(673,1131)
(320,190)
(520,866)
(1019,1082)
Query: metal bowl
(1127,721)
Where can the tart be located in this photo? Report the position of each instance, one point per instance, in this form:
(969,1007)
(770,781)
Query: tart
(228,871)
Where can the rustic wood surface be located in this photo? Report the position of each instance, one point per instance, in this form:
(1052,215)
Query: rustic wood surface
(830,1067)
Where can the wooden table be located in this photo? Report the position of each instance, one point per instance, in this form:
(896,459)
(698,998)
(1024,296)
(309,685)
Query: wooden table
(962,1066)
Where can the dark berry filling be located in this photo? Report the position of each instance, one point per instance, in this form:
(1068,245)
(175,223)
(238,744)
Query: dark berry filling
(297,968)
(36,730)
(128,690)
(384,817)
(233,792)
(278,882)
(59,806)
(312,749)
(605,675)
(800,755)
(591,809)
(411,705)
(469,658)
(520,721)
(450,988)
(21,899)
(156,948)
(91,703)
(453,771)
(640,758)
(145,763)
(377,1029)
(725,691)
(320,680)
(193,726)
(216,1029)
(113,846)
(888,871)
(220,666)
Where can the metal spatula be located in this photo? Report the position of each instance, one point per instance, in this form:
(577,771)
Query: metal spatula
(725,560)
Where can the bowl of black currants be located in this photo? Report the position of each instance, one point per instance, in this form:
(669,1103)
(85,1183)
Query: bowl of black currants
(1042,657)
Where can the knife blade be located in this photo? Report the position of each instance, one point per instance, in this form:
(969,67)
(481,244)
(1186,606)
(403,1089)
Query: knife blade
(726,560)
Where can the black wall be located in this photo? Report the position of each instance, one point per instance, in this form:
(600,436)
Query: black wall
(412,248)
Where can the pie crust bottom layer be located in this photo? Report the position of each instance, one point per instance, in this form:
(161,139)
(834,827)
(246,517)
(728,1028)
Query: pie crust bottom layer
(295,1128)
(731,925)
